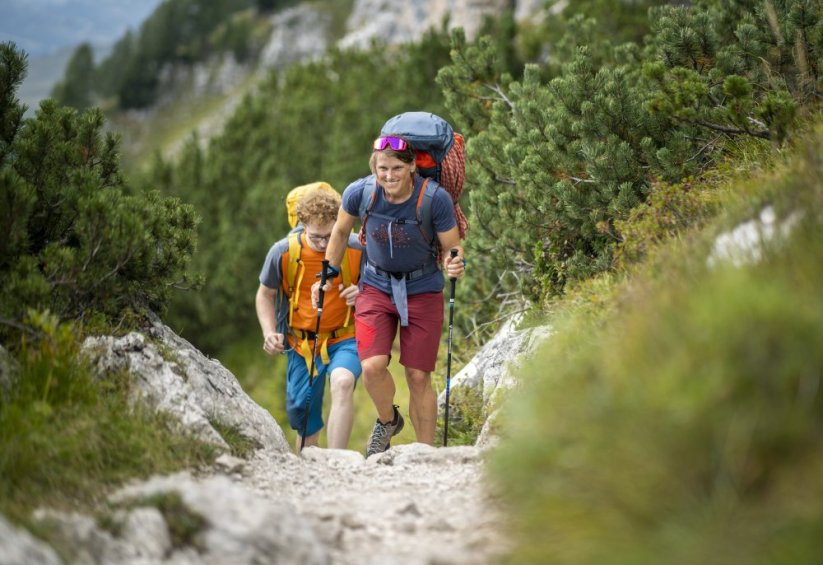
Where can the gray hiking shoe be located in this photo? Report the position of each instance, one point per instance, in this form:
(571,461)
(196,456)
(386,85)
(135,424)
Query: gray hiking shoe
(381,434)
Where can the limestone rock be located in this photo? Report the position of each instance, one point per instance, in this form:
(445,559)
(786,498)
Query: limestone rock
(174,377)
(19,547)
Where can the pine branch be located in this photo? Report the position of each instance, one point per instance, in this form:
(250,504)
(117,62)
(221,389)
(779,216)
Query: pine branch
(763,134)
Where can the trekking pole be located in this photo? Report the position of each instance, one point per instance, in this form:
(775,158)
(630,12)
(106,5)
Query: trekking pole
(452,281)
(323,273)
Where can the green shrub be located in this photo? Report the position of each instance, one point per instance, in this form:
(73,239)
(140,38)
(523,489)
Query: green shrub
(466,417)
(240,444)
(75,241)
(685,425)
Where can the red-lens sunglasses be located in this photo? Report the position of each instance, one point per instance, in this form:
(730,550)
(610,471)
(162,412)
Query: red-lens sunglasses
(396,143)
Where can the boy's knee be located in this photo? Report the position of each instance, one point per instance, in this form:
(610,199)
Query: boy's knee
(342,382)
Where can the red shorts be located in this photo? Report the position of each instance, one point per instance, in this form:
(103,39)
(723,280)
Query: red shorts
(376,321)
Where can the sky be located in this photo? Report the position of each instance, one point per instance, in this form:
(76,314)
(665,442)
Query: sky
(41,27)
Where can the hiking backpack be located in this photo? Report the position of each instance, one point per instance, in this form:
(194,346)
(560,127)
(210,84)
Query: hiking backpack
(440,156)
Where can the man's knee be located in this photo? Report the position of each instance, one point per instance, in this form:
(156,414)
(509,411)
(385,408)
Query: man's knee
(375,367)
(418,380)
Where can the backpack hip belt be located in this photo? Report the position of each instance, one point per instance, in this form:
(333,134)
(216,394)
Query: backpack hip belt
(304,340)
(427,269)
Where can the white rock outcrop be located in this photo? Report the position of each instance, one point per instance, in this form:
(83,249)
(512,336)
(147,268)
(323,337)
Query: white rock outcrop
(494,369)
(299,34)
(19,547)
(396,23)
(174,377)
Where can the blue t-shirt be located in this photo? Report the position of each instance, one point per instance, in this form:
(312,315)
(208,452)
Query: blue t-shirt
(398,247)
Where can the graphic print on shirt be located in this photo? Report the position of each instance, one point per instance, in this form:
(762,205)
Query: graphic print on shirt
(400,239)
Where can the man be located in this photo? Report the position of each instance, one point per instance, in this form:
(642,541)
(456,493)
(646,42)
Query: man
(287,318)
(401,282)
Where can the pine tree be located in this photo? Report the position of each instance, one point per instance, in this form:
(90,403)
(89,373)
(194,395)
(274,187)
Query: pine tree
(739,68)
(77,86)
(74,242)
(563,158)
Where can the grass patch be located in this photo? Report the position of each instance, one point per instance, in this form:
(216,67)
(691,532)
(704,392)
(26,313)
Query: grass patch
(66,437)
(240,444)
(166,130)
(466,417)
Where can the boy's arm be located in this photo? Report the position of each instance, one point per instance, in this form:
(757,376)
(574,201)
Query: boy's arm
(267,316)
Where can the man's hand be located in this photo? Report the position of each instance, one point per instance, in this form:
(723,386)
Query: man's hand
(349,294)
(454,266)
(273,343)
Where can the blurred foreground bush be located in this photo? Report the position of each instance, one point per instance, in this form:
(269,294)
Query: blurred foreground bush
(683,424)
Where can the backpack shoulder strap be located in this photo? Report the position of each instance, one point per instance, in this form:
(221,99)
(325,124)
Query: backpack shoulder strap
(345,268)
(367,198)
(424,209)
(293,268)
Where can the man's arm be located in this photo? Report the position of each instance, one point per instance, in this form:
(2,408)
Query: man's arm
(334,251)
(339,237)
(267,316)
(452,267)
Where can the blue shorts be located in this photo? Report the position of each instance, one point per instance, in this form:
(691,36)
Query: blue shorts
(341,354)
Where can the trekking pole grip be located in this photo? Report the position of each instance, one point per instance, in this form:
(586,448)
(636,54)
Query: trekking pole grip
(453,254)
(324,275)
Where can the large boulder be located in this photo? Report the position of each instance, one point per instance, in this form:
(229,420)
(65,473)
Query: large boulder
(174,377)
(494,369)
(185,520)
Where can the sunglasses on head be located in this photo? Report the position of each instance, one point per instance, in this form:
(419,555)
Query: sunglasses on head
(396,143)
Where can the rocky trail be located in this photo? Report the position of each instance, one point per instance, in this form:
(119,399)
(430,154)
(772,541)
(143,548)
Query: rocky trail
(413,504)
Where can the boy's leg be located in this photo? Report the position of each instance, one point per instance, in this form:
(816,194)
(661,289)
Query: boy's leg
(341,414)
(344,370)
(297,391)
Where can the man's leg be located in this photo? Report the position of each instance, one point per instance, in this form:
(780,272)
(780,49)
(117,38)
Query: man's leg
(419,342)
(341,414)
(380,385)
(422,404)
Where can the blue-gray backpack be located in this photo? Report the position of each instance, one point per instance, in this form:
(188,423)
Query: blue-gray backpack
(440,157)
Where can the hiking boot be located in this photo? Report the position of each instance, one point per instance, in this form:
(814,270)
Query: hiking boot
(381,434)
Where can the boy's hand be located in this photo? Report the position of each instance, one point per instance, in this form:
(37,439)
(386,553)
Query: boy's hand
(273,343)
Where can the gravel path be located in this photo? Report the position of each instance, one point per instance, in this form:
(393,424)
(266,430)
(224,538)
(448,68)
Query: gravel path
(414,504)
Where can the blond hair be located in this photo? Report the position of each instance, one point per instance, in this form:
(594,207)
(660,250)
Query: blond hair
(318,206)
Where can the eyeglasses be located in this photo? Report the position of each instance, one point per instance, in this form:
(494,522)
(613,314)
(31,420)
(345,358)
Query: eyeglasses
(319,238)
(396,143)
